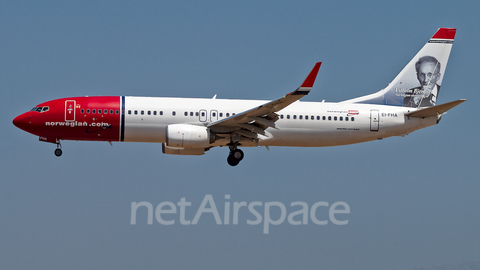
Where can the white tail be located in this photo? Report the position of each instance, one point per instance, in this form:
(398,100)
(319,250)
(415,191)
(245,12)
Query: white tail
(418,84)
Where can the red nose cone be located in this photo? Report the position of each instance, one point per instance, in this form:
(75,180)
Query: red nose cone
(22,121)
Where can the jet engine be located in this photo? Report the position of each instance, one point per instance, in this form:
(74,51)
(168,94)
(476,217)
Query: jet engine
(187,136)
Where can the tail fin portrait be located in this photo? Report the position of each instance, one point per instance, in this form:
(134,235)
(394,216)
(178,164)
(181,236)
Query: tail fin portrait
(418,84)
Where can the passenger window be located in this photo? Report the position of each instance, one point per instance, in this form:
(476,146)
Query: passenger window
(214,114)
(228,115)
(329,118)
(312,117)
(105,111)
(173,113)
(186,113)
(295,116)
(281,116)
(142,112)
(161,112)
(116,111)
(346,118)
(323,118)
(111,111)
(203,114)
(149,112)
(221,114)
(129,111)
(191,113)
(335,118)
(154,112)
(82,111)
(99,111)
(300,117)
(196,113)
(88,110)
(341,118)
(233,114)
(318,117)
(94,111)
(288,116)
(353,119)
(135,112)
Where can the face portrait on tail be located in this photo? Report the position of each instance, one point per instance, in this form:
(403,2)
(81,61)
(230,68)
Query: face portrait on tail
(428,74)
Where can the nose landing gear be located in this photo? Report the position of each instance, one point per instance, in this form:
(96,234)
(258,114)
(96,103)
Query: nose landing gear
(58,151)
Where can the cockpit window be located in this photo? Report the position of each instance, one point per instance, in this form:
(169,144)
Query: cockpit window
(39,109)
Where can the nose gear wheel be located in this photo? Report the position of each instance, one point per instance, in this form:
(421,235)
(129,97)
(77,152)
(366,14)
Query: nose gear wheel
(58,151)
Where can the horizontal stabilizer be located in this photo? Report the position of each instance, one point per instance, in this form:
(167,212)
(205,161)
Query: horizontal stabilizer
(435,110)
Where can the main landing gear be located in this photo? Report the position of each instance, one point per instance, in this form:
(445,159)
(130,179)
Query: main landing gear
(235,156)
(58,151)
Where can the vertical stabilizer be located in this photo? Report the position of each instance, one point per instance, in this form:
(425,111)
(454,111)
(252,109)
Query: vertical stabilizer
(418,84)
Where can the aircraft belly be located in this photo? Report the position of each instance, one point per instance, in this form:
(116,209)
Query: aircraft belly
(307,137)
(140,132)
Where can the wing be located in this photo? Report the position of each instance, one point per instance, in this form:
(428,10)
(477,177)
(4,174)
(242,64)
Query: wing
(254,121)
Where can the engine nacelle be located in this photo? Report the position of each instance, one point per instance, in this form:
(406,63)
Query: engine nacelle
(187,136)
(182,151)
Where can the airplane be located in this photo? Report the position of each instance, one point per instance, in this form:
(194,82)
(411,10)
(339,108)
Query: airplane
(192,126)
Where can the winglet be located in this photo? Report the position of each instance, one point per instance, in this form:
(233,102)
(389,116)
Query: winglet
(307,85)
(310,80)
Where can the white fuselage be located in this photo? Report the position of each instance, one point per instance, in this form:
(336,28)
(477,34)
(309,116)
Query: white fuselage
(304,124)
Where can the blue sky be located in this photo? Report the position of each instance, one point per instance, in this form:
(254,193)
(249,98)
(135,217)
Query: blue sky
(414,200)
